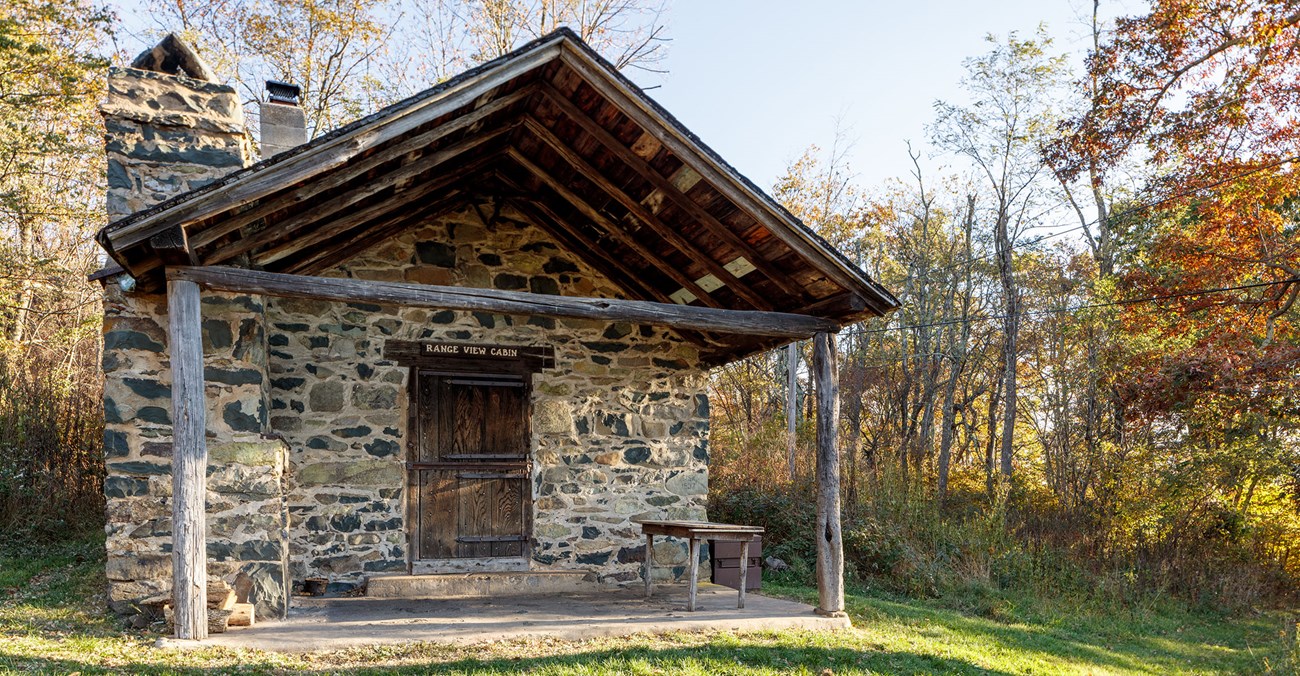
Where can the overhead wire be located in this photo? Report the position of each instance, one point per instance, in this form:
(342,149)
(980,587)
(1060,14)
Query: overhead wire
(1076,308)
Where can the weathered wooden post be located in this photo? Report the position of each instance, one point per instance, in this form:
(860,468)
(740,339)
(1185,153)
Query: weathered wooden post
(830,545)
(189,462)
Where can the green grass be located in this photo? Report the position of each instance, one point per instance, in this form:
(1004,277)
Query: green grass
(51,621)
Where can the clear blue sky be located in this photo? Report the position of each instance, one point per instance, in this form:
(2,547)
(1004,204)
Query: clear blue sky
(760,80)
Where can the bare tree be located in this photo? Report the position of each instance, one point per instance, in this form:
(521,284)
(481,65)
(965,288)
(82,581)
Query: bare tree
(1000,131)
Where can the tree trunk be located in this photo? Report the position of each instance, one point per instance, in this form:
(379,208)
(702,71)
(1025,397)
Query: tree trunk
(949,423)
(994,398)
(1010,353)
(958,361)
(23,304)
(791,403)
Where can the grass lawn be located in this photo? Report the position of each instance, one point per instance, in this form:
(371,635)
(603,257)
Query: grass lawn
(51,620)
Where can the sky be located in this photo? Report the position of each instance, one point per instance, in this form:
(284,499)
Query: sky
(759,81)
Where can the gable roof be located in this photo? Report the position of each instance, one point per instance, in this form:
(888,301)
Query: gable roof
(558,133)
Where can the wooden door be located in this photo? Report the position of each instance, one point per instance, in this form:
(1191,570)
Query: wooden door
(469,467)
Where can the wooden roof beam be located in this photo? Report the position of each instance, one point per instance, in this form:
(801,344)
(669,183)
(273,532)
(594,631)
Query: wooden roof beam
(350,172)
(326,230)
(641,213)
(367,237)
(666,186)
(586,249)
(743,322)
(323,210)
(613,269)
(724,180)
(609,227)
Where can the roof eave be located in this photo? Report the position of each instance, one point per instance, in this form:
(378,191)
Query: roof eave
(777,218)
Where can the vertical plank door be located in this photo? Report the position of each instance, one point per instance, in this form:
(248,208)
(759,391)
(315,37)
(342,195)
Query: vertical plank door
(472,465)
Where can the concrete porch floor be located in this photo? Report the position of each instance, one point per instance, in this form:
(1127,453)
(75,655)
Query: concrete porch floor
(331,624)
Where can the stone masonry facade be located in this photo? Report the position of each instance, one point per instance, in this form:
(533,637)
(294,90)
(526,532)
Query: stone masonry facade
(306,420)
(619,424)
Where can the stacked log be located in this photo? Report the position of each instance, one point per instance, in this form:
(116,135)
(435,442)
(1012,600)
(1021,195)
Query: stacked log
(242,615)
(222,605)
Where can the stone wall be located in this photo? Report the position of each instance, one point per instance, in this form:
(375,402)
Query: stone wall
(246,515)
(306,423)
(619,424)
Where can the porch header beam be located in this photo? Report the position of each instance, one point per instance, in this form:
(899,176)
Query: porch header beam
(745,322)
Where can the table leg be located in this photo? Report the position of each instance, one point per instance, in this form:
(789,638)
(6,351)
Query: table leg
(744,577)
(695,573)
(649,562)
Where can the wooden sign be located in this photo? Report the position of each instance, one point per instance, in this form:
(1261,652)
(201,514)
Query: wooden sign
(460,355)
(475,351)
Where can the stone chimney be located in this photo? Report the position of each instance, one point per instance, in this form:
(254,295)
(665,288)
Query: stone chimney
(283,124)
(170,128)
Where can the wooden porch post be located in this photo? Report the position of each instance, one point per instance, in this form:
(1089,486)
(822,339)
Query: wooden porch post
(830,546)
(189,462)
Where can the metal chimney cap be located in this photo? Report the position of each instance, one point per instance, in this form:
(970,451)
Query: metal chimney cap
(283,92)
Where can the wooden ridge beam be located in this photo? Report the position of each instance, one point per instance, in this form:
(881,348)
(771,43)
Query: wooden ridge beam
(743,322)
(641,213)
(611,228)
(666,186)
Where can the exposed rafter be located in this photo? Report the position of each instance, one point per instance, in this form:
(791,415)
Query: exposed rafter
(666,187)
(641,213)
(609,226)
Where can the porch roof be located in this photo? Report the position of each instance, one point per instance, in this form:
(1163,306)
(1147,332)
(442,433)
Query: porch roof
(551,130)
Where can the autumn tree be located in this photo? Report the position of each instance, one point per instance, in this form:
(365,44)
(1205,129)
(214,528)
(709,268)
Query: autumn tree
(51,201)
(330,48)
(352,57)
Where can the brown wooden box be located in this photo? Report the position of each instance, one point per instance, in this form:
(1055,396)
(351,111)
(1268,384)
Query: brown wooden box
(726,564)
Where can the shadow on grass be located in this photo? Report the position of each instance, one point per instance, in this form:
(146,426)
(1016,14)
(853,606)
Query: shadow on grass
(52,621)
(703,659)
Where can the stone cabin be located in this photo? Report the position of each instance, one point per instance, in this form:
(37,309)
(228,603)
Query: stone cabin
(470,332)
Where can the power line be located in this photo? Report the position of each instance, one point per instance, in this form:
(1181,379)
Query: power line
(1086,306)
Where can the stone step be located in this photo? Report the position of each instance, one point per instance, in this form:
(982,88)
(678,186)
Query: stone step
(481,585)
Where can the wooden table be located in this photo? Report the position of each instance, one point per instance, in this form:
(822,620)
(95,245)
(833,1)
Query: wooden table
(694,531)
